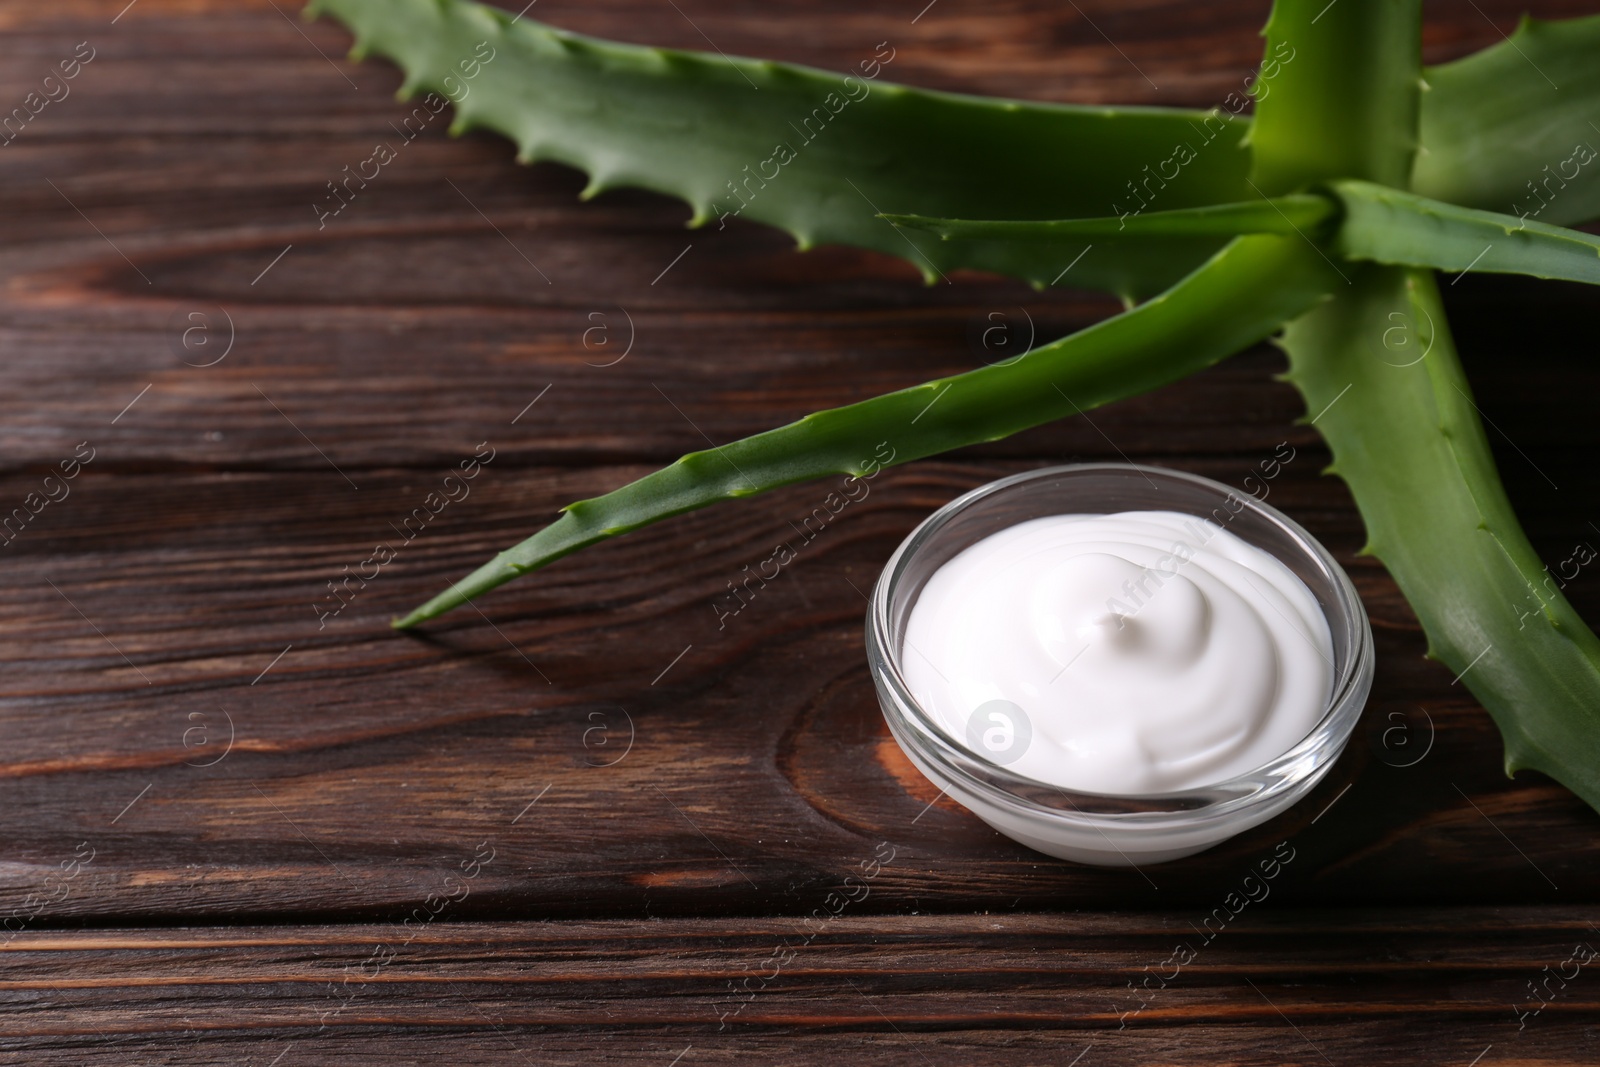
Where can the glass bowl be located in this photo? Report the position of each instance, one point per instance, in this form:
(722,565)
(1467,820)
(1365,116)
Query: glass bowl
(1099,828)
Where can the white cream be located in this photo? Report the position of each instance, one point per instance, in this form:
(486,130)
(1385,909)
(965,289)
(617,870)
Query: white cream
(1148,651)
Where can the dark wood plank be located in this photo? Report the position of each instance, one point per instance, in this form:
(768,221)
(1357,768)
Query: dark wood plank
(1273,986)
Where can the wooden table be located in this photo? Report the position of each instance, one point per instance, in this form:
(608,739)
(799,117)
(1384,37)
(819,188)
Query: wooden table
(587,825)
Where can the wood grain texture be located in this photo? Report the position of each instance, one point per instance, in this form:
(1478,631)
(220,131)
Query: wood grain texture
(1441,986)
(197,750)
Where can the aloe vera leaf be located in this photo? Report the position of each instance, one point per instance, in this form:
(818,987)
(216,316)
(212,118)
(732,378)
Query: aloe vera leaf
(1389,226)
(1498,133)
(1342,102)
(707,129)
(1378,365)
(1283,215)
(1241,295)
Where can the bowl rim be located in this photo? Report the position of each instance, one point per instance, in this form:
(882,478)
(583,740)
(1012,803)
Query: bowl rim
(1298,768)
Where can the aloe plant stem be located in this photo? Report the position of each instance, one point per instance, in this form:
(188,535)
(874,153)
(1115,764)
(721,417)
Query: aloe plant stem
(1354,219)
(1391,226)
(1346,105)
(1295,214)
(1379,364)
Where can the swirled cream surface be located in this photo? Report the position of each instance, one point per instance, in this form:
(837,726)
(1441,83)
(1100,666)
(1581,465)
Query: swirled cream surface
(1138,652)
